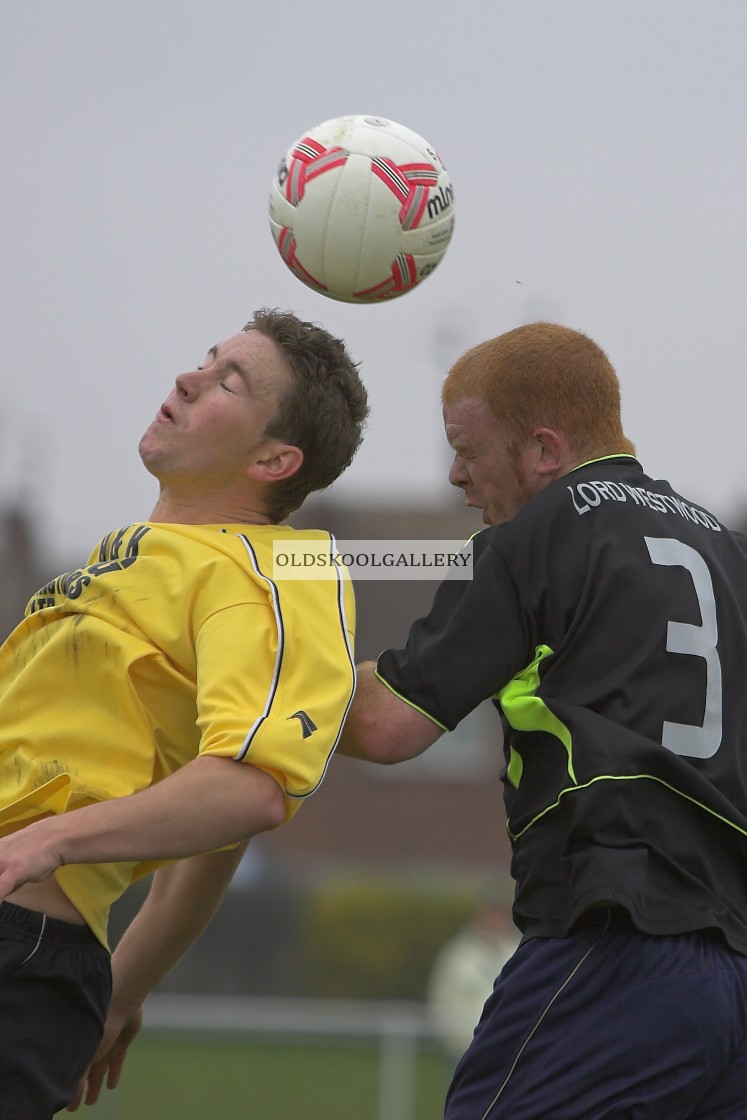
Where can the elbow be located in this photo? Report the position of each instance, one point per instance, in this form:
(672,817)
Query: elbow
(385,746)
(259,802)
(371,740)
(277,809)
(273,810)
(393,750)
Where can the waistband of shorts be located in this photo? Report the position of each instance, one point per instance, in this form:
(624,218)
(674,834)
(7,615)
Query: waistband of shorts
(18,919)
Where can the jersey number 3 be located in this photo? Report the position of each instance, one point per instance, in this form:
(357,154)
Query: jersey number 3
(697,641)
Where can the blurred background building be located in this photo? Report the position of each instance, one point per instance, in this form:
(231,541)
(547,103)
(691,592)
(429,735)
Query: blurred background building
(21,567)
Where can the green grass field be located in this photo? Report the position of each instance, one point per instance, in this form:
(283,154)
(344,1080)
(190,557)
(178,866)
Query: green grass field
(209,1078)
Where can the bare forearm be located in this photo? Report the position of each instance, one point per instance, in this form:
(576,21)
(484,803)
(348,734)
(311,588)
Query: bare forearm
(209,804)
(380,726)
(179,907)
(181,902)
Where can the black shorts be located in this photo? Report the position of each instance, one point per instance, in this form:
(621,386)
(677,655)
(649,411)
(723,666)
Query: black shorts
(610,1024)
(55,987)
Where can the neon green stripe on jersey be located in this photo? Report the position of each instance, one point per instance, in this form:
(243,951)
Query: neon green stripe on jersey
(603,458)
(624,778)
(515,767)
(409,703)
(526,712)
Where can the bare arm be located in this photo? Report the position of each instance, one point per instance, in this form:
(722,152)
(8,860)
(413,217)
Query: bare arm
(208,804)
(381,727)
(180,905)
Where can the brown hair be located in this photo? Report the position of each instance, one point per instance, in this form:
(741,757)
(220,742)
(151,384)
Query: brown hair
(324,411)
(543,375)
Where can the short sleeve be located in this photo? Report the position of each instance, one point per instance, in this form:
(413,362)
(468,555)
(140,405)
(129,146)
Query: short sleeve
(273,690)
(470,644)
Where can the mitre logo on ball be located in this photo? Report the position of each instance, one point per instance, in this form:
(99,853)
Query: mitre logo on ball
(361,209)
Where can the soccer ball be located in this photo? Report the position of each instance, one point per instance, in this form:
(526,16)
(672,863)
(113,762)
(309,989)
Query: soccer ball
(361,209)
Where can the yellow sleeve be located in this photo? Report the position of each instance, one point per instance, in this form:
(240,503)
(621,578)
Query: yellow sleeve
(275,681)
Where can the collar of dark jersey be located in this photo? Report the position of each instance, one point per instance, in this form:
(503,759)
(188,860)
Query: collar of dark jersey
(622,458)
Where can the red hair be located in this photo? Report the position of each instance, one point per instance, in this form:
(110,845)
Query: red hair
(543,375)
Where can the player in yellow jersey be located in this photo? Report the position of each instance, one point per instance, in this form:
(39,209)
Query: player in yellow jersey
(167,701)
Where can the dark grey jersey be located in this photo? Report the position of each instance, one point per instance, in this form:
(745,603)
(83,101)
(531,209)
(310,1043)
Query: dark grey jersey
(608,622)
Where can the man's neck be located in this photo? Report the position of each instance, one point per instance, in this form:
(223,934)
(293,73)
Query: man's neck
(171,510)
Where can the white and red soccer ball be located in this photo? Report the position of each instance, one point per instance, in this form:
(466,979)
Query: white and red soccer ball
(361,209)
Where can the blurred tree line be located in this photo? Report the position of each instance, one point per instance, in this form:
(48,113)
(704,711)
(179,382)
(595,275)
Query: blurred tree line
(352,935)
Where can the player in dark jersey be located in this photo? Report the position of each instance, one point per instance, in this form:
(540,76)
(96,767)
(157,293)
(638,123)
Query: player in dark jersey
(607,621)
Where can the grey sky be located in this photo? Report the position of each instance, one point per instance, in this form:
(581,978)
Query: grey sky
(599,157)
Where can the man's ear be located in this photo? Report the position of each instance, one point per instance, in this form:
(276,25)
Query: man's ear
(280,461)
(552,453)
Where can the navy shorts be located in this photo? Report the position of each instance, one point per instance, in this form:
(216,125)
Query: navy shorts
(610,1024)
(55,987)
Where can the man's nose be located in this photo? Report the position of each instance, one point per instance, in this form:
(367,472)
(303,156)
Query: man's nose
(457,474)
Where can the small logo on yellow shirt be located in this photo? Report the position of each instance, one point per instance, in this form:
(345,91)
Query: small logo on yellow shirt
(308,727)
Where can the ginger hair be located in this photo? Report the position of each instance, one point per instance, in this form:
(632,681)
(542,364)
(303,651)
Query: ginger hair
(543,375)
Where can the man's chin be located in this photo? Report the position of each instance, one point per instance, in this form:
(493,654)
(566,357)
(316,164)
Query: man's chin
(147,455)
(492,520)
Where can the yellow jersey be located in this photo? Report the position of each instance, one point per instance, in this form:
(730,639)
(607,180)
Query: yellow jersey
(172,641)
